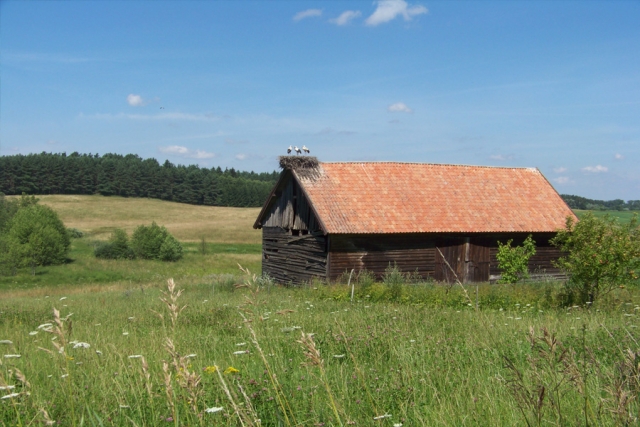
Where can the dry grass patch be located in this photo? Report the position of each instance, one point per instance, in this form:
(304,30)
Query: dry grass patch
(99,215)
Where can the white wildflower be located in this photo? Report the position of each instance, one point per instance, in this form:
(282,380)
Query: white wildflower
(63,298)
(241,352)
(124,406)
(7,387)
(12,356)
(131,318)
(33,333)
(190,356)
(397,425)
(82,345)
(338,356)
(214,409)
(412,340)
(98,352)
(240,344)
(135,356)
(10,396)
(7,342)
(125,333)
(380,417)
(45,326)
(64,376)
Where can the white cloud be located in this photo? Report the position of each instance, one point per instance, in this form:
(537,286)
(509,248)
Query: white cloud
(241,156)
(619,156)
(181,151)
(560,170)
(309,13)
(399,106)
(388,10)
(562,180)
(346,17)
(595,169)
(135,100)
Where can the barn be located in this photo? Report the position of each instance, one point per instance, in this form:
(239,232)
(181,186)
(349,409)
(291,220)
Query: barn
(440,221)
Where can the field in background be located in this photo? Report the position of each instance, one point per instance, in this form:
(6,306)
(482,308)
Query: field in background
(624,216)
(99,215)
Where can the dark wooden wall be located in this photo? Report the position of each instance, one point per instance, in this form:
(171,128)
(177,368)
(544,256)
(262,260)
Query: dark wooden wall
(293,259)
(291,210)
(468,259)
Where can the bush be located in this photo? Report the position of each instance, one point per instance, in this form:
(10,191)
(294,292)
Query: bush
(155,242)
(513,262)
(601,254)
(36,236)
(74,233)
(116,248)
(393,280)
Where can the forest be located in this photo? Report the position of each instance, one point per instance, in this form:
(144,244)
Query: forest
(577,202)
(132,176)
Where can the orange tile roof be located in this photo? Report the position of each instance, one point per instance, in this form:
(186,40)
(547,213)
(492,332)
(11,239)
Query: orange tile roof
(431,198)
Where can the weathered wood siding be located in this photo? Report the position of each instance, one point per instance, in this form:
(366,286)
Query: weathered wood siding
(291,210)
(374,252)
(293,259)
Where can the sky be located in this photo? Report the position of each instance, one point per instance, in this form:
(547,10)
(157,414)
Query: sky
(552,84)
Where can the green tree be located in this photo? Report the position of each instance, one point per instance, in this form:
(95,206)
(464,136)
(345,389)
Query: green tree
(513,261)
(601,254)
(35,237)
(116,248)
(155,242)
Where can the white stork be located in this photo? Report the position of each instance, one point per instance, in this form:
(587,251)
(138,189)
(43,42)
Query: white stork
(289,150)
(305,149)
(298,151)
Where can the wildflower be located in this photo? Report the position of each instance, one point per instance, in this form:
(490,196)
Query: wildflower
(12,356)
(231,370)
(33,333)
(82,345)
(412,340)
(64,376)
(240,344)
(241,352)
(381,417)
(131,318)
(63,298)
(125,333)
(189,356)
(7,342)
(214,410)
(135,356)
(338,356)
(210,369)
(45,326)
(7,387)
(98,352)
(10,396)
(397,425)
(124,406)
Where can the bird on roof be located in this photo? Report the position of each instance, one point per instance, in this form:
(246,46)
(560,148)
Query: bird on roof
(289,150)
(305,149)
(298,151)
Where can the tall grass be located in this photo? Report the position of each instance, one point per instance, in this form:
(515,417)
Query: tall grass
(303,357)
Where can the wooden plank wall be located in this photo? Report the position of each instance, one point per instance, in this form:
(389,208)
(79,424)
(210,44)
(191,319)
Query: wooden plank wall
(540,265)
(291,210)
(293,259)
(374,252)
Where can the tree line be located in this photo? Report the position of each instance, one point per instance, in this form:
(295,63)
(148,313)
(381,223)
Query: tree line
(132,176)
(577,202)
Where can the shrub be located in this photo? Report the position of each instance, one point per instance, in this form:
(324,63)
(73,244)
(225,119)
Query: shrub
(35,236)
(155,242)
(393,280)
(116,248)
(601,254)
(74,233)
(513,262)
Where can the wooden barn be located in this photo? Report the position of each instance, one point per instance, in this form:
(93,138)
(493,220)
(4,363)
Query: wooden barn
(441,221)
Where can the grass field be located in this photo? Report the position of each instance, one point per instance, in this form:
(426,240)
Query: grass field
(624,216)
(236,353)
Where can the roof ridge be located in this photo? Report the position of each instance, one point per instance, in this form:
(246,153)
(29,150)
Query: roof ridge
(430,164)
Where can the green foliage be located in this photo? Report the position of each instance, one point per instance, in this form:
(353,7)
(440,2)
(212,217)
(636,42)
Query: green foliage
(155,242)
(35,237)
(513,261)
(116,248)
(393,279)
(74,233)
(601,254)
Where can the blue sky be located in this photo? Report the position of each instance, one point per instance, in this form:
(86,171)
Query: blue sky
(553,85)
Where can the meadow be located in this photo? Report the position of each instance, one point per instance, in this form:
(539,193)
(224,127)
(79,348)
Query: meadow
(233,348)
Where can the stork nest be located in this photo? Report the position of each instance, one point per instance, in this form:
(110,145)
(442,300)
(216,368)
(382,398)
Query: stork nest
(299,162)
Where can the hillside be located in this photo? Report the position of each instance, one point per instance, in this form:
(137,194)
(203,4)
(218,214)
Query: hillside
(99,215)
